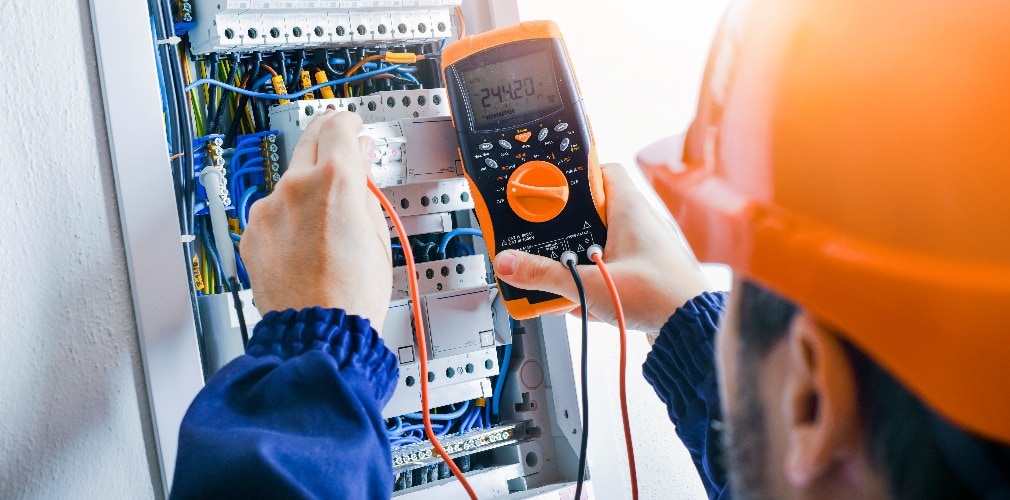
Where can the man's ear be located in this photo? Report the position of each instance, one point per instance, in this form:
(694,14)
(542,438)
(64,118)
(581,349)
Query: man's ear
(820,403)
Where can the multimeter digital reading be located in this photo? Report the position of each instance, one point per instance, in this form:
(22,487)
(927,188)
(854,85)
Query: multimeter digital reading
(526,148)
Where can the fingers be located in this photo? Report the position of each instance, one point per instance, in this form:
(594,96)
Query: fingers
(328,137)
(617,181)
(367,145)
(338,142)
(305,152)
(620,187)
(533,272)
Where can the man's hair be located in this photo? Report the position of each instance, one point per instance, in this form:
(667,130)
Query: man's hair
(918,453)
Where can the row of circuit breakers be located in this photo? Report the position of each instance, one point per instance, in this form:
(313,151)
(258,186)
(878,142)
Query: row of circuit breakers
(527,448)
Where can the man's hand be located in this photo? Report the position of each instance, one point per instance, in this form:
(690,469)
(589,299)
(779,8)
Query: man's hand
(654,272)
(320,238)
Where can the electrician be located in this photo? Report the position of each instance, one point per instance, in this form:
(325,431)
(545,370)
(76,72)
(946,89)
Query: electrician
(849,160)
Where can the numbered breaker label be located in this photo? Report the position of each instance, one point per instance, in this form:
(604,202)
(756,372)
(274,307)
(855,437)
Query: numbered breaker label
(247,25)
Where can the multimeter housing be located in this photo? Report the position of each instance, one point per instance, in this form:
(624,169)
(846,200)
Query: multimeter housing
(527,149)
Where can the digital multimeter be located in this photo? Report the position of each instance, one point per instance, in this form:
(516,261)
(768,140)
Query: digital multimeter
(526,148)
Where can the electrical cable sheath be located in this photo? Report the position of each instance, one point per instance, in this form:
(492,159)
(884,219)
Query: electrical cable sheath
(597,257)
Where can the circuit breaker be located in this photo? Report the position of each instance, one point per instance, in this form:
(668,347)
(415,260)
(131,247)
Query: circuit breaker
(237,82)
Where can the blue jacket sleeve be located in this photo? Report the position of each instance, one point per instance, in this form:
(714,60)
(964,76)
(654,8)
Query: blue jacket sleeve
(681,368)
(297,416)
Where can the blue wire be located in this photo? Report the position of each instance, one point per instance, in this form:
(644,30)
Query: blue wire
(235,175)
(465,231)
(262,81)
(468,421)
(444,416)
(405,441)
(440,430)
(502,372)
(462,249)
(396,245)
(248,141)
(235,237)
(243,203)
(243,275)
(208,243)
(277,97)
(240,151)
(413,79)
(487,414)
(398,429)
(200,205)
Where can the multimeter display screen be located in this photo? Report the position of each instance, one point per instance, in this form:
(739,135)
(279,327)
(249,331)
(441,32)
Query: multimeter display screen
(514,87)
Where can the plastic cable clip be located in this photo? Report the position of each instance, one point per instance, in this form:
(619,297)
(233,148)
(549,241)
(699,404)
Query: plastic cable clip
(172,40)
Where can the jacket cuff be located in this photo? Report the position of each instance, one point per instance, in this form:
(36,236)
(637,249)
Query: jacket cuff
(681,365)
(349,339)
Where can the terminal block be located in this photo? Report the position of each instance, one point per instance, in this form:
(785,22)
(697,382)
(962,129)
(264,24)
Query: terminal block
(208,152)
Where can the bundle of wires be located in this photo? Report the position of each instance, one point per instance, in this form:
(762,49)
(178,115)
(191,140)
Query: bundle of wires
(408,429)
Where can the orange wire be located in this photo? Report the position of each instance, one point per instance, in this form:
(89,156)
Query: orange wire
(619,309)
(356,67)
(268,68)
(462,23)
(422,348)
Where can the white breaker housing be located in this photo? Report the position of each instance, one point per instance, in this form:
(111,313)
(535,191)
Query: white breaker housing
(248,25)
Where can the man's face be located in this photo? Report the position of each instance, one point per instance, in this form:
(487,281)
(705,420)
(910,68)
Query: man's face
(790,408)
(753,442)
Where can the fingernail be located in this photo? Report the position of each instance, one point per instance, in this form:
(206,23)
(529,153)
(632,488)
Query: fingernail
(506,263)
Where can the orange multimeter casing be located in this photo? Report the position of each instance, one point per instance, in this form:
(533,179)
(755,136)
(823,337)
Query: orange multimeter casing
(527,149)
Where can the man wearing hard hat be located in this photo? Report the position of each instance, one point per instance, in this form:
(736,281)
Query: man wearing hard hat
(850,161)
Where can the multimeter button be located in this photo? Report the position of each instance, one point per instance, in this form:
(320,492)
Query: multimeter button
(542,135)
(560,127)
(537,191)
(564,143)
(505,144)
(485,146)
(491,163)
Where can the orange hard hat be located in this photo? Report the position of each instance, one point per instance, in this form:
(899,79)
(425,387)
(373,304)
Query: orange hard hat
(854,156)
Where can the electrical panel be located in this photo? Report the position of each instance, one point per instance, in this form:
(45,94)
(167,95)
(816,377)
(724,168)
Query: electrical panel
(239,81)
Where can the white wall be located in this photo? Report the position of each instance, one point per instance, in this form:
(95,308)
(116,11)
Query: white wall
(639,66)
(73,407)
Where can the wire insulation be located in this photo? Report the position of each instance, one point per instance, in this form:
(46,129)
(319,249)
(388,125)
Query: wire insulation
(278,97)
(584,309)
(463,231)
(500,383)
(619,309)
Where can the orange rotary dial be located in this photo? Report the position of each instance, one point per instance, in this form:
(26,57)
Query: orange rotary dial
(537,191)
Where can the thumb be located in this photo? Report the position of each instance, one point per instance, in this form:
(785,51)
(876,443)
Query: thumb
(533,272)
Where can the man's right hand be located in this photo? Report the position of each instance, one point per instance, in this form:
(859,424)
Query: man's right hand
(653,270)
(320,238)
